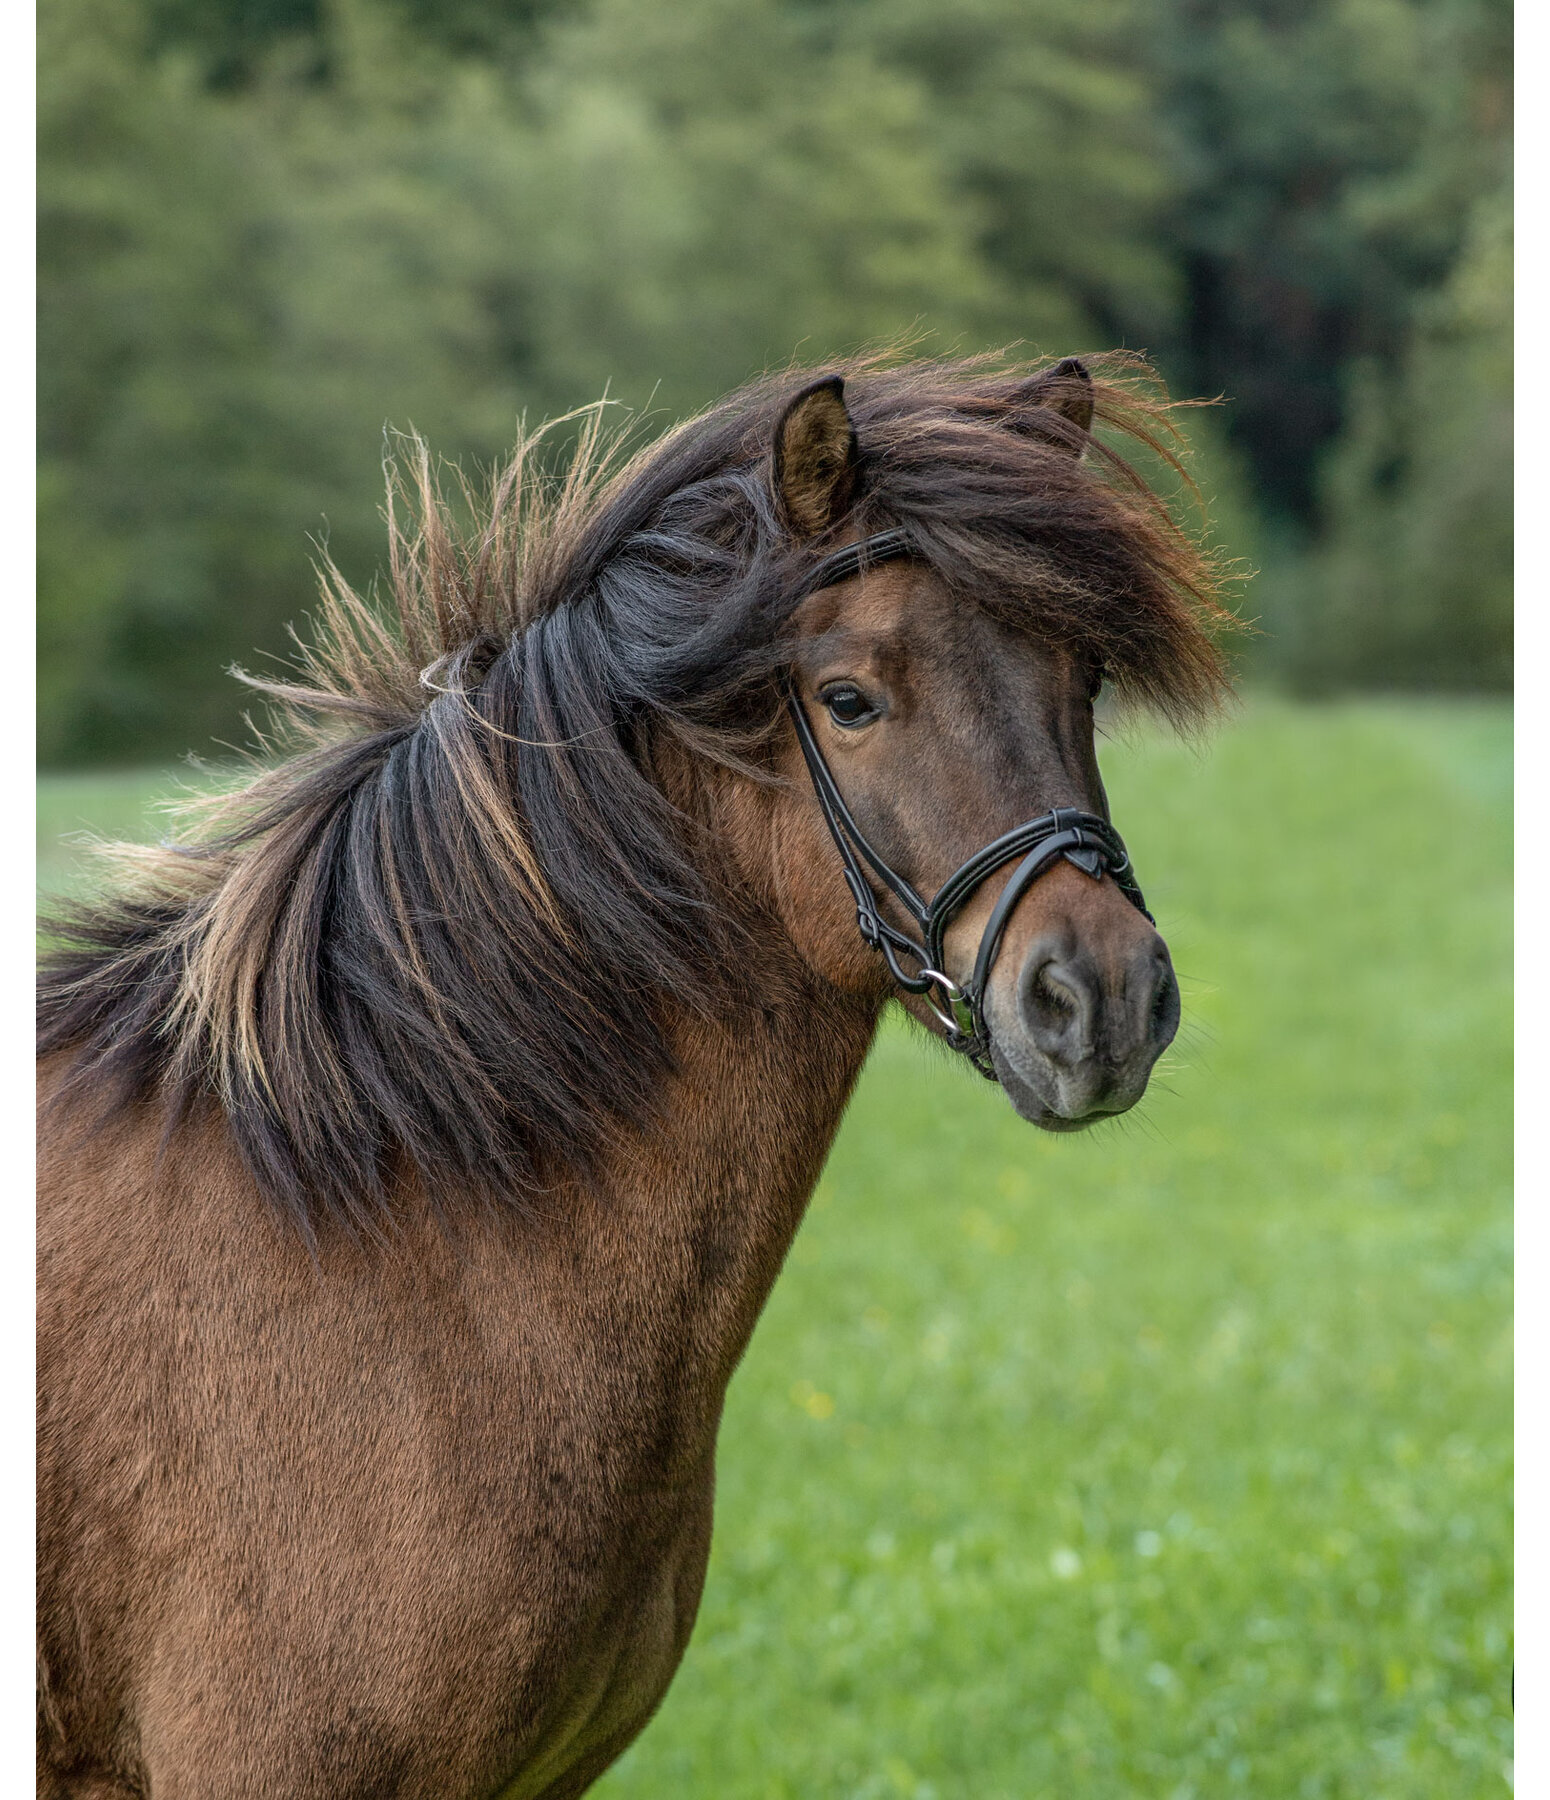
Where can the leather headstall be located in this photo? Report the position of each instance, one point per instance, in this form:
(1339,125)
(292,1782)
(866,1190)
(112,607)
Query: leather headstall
(1085,840)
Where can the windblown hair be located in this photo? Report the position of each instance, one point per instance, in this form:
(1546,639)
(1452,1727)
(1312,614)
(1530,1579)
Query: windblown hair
(450,931)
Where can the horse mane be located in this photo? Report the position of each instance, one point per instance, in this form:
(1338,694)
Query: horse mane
(450,930)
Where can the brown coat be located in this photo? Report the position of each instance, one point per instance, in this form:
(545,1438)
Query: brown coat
(407,1518)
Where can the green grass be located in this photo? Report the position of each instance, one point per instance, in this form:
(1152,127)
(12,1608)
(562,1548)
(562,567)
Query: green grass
(1170,1461)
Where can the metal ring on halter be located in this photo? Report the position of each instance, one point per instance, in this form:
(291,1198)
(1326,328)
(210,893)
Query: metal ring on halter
(950,988)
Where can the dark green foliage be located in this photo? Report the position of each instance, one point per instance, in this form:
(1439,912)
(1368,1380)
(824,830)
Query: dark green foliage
(234,299)
(1414,574)
(1047,120)
(1330,154)
(270,227)
(232,38)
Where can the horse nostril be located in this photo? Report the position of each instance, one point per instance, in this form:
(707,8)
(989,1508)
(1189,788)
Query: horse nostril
(1049,997)
(1054,1007)
(1163,1019)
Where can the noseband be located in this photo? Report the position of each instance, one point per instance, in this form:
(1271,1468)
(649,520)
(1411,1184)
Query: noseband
(1081,838)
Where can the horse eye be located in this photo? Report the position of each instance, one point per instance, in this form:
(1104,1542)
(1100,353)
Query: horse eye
(847,704)
(1095,681)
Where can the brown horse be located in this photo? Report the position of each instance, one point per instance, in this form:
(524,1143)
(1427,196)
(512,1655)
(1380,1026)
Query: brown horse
(422,1137)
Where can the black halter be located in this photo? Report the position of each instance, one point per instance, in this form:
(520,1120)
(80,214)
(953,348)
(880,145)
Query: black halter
(1082,838)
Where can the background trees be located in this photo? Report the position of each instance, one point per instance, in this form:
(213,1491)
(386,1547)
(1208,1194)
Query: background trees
(270,226)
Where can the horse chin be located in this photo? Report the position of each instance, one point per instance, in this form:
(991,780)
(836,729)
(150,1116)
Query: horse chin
(1032,1100)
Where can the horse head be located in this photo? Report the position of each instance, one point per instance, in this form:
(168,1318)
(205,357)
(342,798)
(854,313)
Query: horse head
(932,728)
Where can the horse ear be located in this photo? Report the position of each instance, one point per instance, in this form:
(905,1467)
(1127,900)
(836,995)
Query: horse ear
(1065,390)
(816,458)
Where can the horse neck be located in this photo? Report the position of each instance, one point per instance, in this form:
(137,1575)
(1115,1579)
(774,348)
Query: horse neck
(689,1228)
(694,1217)
(643,1279)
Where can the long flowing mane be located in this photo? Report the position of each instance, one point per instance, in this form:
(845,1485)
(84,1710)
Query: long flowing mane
(448,932)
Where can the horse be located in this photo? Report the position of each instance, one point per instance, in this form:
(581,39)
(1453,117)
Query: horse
(425,1123)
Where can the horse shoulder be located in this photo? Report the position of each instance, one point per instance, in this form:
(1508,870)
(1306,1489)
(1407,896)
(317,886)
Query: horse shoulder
(262,1467)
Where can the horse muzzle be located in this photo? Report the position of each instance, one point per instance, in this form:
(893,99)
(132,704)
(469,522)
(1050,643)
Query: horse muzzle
(1078,1021)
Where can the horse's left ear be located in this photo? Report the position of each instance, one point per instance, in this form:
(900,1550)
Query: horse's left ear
(1065,390)
(816,458)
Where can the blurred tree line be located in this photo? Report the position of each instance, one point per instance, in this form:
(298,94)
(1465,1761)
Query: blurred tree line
(268,227)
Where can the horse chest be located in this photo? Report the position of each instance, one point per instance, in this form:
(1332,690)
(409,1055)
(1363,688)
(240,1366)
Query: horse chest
(615,1678)
(444,1513)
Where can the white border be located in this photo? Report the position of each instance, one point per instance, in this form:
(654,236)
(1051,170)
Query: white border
(18,89)
(1532,748)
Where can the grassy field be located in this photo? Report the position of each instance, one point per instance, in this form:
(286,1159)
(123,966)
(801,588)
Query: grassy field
(1170,1461)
